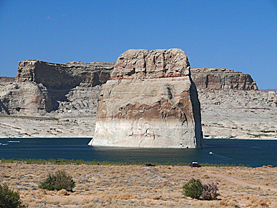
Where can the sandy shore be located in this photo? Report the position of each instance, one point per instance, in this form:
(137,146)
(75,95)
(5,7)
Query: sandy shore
(141,186)
(256,126)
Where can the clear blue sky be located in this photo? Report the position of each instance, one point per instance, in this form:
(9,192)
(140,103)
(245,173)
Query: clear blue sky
(233,34)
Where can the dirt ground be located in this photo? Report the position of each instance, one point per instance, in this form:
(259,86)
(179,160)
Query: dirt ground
(141,186)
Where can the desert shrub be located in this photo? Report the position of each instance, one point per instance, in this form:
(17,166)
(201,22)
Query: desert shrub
(193,188)
(9,198)
(57,181)
(210,191)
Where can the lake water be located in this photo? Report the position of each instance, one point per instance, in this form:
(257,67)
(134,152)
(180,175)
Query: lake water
(218,151)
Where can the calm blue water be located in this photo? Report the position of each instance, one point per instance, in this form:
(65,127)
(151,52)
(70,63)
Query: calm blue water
(224,151)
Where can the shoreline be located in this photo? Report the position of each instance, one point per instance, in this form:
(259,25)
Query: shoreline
(91,137)
(242,138)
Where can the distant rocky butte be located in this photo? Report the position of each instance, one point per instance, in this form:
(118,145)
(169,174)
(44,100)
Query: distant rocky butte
(150,101)
(220,79)
(42,87)
(67,75)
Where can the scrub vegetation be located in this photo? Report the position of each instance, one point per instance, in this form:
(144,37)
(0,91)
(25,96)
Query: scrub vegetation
(194,189)
(58,181)
(9,198)
(111,185)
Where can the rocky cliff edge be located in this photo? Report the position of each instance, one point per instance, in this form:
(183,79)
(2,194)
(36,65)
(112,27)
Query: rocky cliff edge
(42,87)
(221,79)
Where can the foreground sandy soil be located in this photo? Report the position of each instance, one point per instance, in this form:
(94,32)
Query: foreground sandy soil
(141,186)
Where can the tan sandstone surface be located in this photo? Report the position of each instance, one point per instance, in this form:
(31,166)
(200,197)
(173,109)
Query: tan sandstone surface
(149,101)
(141,186)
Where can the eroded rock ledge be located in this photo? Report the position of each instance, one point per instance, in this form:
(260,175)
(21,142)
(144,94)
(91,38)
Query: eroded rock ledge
(150,101)
(40,87)
(65,75)
(220,79)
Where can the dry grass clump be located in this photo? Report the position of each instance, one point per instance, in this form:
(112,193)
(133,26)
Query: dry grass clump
(254,201)
(55,200)
(205,176)
(267,166)
(62,192)
(225,202)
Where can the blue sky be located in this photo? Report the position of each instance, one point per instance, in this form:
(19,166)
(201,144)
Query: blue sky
(233,34)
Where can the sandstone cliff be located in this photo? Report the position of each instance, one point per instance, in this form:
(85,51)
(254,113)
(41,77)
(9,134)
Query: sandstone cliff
(150,101)
(42,87)
(43,105)
(219,79)
(238,114)
(67,75)
(6,80)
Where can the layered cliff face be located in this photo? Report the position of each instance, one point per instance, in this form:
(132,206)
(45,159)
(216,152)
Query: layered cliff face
(6,80)
(42,87)
(220,79)
(150,101)
(231,107)
(27,97)
(67,75)
(75,86)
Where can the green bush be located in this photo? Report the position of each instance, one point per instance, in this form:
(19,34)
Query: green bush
(193,188)
(9,198)
(57,181)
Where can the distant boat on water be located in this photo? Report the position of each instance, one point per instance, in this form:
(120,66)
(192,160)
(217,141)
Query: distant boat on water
(12,141)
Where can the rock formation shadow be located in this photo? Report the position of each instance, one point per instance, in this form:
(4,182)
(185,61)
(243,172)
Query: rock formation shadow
(196,114)
(3,107)
(57,95)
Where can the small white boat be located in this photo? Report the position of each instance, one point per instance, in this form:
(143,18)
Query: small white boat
(210,153)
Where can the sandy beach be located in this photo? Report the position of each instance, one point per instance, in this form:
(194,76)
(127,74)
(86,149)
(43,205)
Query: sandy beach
(142,186)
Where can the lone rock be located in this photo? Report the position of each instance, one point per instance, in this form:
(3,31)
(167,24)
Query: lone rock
(150,101)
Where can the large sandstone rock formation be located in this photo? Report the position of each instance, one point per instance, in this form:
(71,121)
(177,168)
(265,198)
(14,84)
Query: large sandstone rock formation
(67,75)
(73,88)
(219,79)
(60,100)
(25,97)
(42,87)
(150,101)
